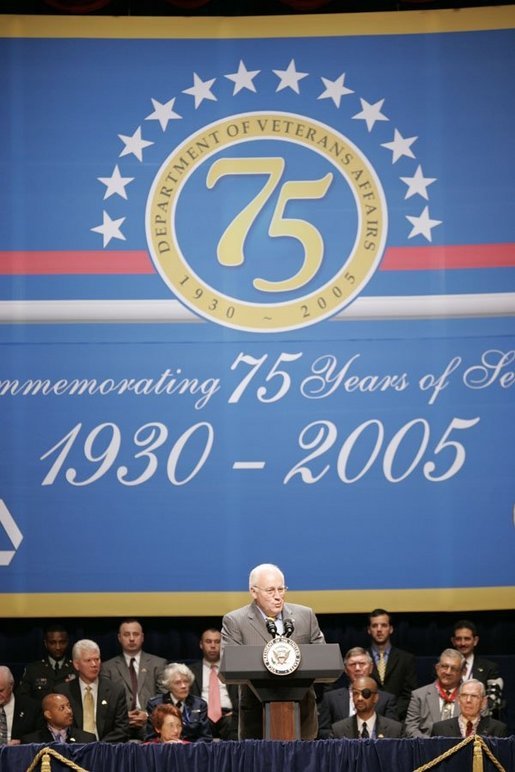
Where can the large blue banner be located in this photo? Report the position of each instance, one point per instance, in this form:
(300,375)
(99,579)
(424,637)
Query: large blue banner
(256,304)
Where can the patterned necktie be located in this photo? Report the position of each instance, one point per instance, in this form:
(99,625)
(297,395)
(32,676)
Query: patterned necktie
(3,726)
(88,723)
(134,683)
(381,667)
(447,707)
(214,708)
(364,731)
(468,730)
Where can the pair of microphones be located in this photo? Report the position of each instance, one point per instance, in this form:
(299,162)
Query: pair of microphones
(288,625)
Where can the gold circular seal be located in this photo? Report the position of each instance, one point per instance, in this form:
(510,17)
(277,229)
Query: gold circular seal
(304,306)
(281,656)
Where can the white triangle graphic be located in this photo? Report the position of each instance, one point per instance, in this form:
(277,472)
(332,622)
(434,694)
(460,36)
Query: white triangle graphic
(12,531)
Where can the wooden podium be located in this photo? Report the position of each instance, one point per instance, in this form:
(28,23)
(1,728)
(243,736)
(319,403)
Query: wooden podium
(281,694)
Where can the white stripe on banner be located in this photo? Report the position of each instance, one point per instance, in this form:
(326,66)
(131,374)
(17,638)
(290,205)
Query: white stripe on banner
(171,311)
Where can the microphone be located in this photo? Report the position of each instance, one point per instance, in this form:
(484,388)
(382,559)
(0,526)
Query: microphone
(271,626)
(494,687)
(288,627)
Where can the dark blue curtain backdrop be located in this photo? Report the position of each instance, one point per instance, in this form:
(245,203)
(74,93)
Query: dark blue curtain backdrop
(257,755)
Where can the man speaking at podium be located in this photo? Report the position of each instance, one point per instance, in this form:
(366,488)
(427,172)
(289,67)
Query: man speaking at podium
(256,624)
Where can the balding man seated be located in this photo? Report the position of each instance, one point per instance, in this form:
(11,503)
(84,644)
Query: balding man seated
(472,701)
(366,723)
(338,704)
(59,728)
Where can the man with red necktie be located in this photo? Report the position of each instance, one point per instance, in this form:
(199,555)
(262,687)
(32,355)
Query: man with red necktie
(472,701)
(436,701)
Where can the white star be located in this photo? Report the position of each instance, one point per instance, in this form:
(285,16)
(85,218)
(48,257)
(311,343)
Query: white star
(134,144)
(110,229)
(115,184)
(418,184)
(422,225)
(289,78)
(400,146)
(163,113)
(335,90)
(243,78)
(201,90)
(370,113)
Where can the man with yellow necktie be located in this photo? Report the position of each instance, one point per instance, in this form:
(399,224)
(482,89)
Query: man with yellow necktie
(98,704)
(394,669)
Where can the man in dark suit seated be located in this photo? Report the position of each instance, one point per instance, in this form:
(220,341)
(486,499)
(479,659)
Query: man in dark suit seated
(59,728)
(98,704)
(465,639)
(138,672)
(18,715)
(394,669)
(366,723)
(472,701)
(222,700)
(338,704)
(42,676)
(177,680)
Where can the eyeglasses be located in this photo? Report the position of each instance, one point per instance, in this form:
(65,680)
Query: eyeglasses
(452,668)
(271,591)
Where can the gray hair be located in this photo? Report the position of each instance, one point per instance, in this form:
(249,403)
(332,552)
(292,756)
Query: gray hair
(476,682)
(357,651)
(174,669)
(258,570)
(82,646)
(453,654)
(6,673)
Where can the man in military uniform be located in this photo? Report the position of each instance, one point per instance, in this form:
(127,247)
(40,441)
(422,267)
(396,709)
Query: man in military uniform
(41,677)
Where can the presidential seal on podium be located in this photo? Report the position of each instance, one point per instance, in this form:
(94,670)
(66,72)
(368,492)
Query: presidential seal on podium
(281,656)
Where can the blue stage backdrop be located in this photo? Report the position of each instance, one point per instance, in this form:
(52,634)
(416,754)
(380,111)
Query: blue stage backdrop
(256,304)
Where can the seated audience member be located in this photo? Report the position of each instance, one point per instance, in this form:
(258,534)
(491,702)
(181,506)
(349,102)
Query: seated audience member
(19,715)
(339,703)
(41,677)
(472,701)
(98,704)
(436,701)
(59,728)
(465,639)
(177,680)
(394,669)
(222,700)
(366,723)
(138,672)
(167,722)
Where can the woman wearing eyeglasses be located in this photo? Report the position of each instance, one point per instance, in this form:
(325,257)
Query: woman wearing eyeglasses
(177,680)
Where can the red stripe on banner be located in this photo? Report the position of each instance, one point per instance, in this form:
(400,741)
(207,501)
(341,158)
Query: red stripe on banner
(76,262)
(430,258)
(447,258)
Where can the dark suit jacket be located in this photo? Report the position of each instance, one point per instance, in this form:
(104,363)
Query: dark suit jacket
(385,727)
(45,736)
(39,678)
(488,727)
(27,717)
(246,627)
(227,727)
(149,676)
(111,709)
(194,717)
(400,678)
(335,707)
(484,669)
